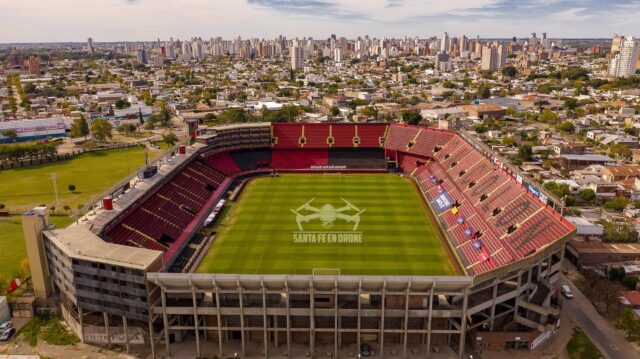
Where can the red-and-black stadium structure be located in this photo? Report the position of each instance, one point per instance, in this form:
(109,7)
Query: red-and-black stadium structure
(499,227)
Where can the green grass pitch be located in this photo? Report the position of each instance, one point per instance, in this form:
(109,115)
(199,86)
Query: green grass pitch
(256,234)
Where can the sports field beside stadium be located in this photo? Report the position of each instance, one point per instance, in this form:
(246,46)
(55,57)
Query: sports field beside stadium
(368,224)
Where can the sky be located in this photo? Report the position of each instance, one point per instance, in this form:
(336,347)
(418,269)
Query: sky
(131,20)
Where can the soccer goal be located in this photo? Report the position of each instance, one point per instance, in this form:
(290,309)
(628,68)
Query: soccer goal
(327,174)
(326,271)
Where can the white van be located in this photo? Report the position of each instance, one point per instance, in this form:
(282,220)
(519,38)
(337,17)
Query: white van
(566,291)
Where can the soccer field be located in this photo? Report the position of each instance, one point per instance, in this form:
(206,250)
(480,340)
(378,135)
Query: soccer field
(394,235)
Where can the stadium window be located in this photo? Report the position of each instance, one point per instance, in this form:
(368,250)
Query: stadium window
(356,140)
(447,156)
(512,228)
(496,211)
(483,197)
(436,149)
(462,173)
(330,140)
(454,164)
(411,144)
(472,183)
(302,141)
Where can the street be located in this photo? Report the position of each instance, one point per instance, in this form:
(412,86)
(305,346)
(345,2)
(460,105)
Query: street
(608,340)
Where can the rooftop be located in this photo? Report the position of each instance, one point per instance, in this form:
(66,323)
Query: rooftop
(77,241)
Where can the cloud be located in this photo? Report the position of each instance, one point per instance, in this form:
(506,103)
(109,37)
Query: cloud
(311,8)
(114,20)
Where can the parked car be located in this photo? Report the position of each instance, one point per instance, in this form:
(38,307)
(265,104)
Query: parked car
(7,334)
(566,291)
(365,350)
(6,325)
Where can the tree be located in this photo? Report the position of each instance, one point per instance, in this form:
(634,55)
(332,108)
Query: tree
(169,138)
(122,103)
(616,273)
(411,117)
(525,152)
(79,128)
(235,115)
(72,187)
(630,324)
(484,91)
(510,71)
(619,232)
(369,111)
(587,195)
(570,104)
(127,128)
(566,127)
(548,116)
(335,111)
(101,129)
(618,203)
(10,134)
(620,150)
(630,282)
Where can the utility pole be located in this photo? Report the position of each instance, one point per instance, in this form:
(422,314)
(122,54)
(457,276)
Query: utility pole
(54,177)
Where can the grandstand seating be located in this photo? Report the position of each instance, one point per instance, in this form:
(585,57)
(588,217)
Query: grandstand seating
(511,222)
(297,159)
(286,135)
(249,160)
(494,220)
(223,162)
(164,215)
(343,135)
(371,134)
(325,135)
(357,158)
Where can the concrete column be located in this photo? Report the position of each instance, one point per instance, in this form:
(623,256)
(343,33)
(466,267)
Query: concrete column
(288,305)
(165,321)
(106,327)
(359,314)
(196,321)
(493,304)
(219,319)
(406,320)
(312,319)
(463,323)
(264,318)
(126,333)
(382,310)
(336,329)
(153,345)
(429,319)
(241,295)
(81,322)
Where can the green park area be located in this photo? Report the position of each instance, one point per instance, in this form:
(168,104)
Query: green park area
(24,188)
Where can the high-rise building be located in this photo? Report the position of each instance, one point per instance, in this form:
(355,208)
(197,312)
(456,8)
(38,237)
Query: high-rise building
(337,55)
(297,56)
(616,43)
(489,60)
(624,63)
(444,44)
(34,65)
(90,47)
(142,56)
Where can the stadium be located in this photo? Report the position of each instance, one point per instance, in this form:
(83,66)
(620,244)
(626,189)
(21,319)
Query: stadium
(308,240)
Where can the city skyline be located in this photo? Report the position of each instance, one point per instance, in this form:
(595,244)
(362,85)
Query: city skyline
(139,20)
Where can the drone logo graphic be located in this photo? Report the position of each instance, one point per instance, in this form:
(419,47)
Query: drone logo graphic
(328,214)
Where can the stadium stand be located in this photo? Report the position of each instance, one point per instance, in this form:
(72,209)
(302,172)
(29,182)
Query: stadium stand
(249,160)
(298,159)
(161,218)
(357,158)
(223,162)
(492,220)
